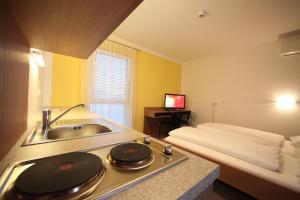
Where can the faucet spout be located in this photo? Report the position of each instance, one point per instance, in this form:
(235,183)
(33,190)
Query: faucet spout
(47,116)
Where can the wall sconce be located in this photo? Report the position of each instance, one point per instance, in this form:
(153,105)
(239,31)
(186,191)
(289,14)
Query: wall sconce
(286,102)
(38,57)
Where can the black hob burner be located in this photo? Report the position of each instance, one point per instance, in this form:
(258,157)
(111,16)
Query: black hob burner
(130,156)
(67,176)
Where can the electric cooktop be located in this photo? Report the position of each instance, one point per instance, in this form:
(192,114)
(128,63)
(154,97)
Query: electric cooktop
(90,174)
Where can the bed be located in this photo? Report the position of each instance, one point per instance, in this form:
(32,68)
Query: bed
(265,172)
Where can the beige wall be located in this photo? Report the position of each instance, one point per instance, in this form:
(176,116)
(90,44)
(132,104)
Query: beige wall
(245,85)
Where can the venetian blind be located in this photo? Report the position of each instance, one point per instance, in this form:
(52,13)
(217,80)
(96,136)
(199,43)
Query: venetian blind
(108,82)
(111,75)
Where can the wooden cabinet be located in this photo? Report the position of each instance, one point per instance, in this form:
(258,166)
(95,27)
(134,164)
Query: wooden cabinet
(14,70)
(70,27)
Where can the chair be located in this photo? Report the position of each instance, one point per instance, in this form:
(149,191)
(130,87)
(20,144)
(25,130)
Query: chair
(176,120)
(168,124)
(184,120)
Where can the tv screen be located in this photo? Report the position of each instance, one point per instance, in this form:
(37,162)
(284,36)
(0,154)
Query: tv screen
(174,101)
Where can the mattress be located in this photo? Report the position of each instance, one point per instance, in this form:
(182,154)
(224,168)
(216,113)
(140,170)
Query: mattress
(286,177)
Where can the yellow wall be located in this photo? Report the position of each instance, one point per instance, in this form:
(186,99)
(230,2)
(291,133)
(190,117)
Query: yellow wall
(155,76)
(66,80)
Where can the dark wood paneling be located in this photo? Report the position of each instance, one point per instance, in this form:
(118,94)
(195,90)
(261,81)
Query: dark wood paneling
(70,27)
(14,71)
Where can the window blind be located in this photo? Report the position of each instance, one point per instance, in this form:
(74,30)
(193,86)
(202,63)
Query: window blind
(110,79)
(109,82)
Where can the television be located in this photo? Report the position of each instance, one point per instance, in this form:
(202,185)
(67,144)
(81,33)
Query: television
(174,101)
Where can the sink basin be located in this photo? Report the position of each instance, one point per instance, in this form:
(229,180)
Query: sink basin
(76,131)
(68,129)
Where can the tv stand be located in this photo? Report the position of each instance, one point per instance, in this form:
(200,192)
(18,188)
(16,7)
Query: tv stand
(153,116)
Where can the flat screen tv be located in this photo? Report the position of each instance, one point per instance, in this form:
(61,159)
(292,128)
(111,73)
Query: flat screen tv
(174,101)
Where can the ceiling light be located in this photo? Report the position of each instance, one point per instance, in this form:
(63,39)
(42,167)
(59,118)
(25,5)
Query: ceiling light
(38,57)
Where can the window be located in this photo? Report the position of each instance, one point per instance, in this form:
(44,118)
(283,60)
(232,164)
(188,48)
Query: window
(110,86)
(109,79)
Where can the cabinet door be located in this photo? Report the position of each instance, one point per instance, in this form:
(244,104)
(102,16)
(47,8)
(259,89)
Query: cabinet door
(70,27)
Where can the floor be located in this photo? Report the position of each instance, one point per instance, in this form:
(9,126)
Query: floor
(222,191)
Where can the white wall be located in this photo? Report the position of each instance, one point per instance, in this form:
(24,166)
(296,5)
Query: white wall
(39,94)
(245,85)
(47,79)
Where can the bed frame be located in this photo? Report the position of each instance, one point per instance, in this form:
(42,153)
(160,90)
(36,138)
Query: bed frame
(248,183)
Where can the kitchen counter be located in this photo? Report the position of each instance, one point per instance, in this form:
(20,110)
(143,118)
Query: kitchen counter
(183,181)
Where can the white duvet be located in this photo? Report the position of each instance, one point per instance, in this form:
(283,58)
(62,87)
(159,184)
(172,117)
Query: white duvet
(266,156)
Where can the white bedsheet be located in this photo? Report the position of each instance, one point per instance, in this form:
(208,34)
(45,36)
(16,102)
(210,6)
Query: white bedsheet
(285,178)
(262,155)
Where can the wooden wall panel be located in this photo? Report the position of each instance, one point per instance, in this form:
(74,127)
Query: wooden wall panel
(70,27)
(14,72)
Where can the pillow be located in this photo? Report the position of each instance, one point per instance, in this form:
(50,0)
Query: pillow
(295,140)
(288,149)
(262,137)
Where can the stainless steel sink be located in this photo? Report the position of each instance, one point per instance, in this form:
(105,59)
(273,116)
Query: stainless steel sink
(76,131)
(70,129)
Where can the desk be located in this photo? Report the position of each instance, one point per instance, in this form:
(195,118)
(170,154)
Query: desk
(153,116)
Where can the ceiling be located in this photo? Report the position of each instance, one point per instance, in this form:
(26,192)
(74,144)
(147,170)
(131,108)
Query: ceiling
(172,28)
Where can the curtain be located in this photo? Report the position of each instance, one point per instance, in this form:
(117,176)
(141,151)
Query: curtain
(108,77)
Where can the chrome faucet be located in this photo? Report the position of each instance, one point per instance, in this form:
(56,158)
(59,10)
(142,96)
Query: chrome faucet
(47,116)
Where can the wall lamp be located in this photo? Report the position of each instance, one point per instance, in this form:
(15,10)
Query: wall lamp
(286,102)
